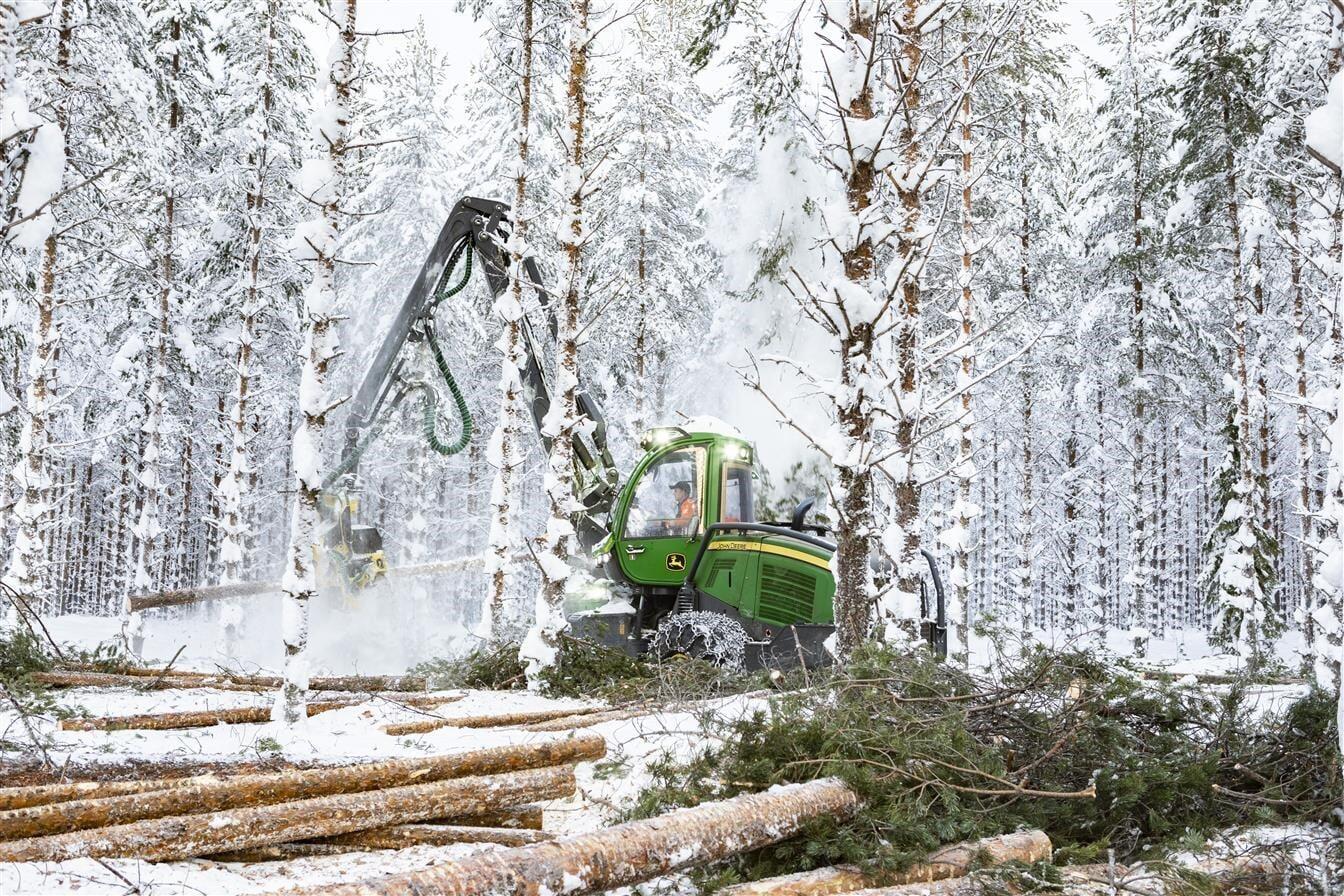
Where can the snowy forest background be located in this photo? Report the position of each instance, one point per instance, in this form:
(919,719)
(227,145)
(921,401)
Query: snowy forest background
(1074,325)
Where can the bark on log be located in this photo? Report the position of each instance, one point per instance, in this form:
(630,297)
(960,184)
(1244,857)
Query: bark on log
(951,861)
(403,836)
(529,817)
(239,715)
(22,775)
(215,794)
(12,798)
(627,853)
(504,720)
(589,719)
(62,679)
(185,836)
(359,683)
(280,852)
(180,596)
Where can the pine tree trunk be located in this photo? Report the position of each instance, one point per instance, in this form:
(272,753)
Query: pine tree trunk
(321,348)
(907,497)
(853,610)
(1138,574)
(1305,511)
(966,472)
(148,527)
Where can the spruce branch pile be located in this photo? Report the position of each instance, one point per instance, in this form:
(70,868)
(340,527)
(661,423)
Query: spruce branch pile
(1058,741)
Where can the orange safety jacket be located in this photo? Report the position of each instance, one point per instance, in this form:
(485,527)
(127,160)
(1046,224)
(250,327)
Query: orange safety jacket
(685,512)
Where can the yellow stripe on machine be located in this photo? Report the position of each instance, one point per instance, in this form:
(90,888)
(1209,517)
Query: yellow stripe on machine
(759,547)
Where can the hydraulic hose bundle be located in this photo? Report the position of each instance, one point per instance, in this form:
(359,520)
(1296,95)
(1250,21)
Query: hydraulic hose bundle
(429,398)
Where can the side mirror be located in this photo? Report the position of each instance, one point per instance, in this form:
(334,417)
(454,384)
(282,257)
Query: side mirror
(800,513)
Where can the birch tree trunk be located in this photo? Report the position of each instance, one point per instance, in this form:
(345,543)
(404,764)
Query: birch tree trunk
(506,450)
(910,246)
(320,350)
(555,548)
(27,571)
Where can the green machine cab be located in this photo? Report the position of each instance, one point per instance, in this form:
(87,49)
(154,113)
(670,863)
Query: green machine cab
(696,574)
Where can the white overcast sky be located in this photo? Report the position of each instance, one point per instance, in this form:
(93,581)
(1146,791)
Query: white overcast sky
(460,38)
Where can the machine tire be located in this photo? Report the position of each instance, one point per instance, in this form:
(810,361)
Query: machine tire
(712,637)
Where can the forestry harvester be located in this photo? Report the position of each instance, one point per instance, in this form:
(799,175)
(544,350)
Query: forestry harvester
(682,565)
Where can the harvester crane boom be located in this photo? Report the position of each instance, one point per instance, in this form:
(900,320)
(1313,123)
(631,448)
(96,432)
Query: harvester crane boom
(482,227)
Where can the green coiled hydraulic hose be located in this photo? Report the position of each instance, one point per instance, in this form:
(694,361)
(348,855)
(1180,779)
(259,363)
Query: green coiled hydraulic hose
(429,406)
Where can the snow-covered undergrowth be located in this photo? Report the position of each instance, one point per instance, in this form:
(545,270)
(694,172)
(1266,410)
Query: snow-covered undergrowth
(1086,750)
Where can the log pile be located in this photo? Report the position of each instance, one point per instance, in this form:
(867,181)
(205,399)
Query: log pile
(376,805)
(626,853)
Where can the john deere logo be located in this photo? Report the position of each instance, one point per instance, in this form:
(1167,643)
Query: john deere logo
(676,562)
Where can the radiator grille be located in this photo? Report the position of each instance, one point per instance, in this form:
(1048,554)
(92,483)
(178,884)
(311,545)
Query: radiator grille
(786,594)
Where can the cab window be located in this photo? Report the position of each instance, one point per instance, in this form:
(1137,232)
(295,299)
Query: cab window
(667,499)
(737,504)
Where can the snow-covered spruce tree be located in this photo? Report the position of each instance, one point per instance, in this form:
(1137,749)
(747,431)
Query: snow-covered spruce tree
(1130,171)
(1214,66)
(177,41)
(652,257)
(1240,576)
(317,242)
(34,166)
(555,548)
(1323,128)
(266,63)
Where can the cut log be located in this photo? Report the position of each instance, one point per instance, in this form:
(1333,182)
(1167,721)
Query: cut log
(402,836)
(589,719)
(529,817)
(238,715)
(45,794)
(215,794)
(627,853)
(182,596)
(135,675)
(503,720)
(185,836)
(948,862)
(61,679)
(22,775)
(281,852)
(406,835)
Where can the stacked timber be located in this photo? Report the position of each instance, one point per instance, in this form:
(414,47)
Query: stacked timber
(375,805)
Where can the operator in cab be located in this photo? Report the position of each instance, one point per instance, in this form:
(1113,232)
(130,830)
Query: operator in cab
(686,510)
